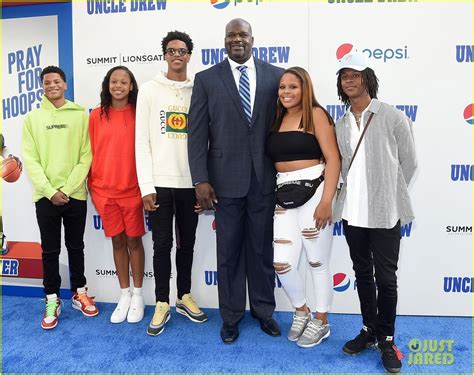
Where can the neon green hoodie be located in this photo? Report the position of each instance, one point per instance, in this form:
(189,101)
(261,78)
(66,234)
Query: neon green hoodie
(56,150)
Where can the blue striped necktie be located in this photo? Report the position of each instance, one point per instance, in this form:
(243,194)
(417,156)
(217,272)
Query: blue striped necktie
(244,91)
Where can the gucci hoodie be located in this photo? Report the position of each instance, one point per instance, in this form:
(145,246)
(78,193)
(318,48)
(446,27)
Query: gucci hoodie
(161,134)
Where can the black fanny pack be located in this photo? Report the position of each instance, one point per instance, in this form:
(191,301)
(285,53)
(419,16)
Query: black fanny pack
(294,194)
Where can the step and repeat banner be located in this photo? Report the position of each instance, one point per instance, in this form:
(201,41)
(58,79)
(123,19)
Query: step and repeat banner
(422,54)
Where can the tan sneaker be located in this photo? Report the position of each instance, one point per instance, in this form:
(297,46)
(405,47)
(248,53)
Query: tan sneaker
(187,306)
(160,318)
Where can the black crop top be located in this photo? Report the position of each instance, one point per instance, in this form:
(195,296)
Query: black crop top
(292,145)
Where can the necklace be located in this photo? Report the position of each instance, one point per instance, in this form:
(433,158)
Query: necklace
(358,117)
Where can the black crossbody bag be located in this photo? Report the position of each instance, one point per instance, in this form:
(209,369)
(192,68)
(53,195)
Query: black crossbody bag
(292,194)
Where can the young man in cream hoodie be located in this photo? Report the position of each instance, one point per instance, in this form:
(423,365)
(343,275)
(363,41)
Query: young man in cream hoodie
(165,179)
(57,157)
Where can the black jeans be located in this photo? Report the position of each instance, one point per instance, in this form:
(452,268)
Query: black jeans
(179,203)
(375,249)
(73,216)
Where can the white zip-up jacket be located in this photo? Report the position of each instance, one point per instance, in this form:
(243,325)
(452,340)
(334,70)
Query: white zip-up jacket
(162,134)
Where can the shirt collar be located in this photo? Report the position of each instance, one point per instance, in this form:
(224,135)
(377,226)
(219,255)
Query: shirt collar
(373,107)
(250,63)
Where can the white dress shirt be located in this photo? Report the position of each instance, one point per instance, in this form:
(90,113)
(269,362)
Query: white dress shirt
(356,207)
(252,73)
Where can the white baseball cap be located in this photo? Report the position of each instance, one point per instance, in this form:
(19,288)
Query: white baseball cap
(353,60)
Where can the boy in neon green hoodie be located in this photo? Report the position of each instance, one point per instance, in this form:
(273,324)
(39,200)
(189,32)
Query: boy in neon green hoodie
(57,157)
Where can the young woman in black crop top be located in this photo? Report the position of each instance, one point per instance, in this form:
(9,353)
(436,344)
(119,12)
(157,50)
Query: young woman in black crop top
(303,147)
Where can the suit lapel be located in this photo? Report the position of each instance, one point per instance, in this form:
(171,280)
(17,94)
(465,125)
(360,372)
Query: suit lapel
(261,79)
(229,82)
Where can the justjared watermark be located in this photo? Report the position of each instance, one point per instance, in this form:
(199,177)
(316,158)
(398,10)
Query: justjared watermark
(430,352)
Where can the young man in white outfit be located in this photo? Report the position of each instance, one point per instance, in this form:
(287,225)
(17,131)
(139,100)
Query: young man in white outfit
(165,179)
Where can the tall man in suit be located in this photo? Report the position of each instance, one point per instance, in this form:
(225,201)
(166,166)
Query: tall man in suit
(232,109)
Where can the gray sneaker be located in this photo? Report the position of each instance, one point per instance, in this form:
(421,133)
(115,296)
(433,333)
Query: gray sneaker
(160,318)
(300,320)
(314,333)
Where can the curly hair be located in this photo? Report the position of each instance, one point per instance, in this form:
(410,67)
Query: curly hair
(106,97)
(177,35)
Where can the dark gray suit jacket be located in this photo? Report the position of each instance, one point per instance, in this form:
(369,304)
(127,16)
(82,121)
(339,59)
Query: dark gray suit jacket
(222,147)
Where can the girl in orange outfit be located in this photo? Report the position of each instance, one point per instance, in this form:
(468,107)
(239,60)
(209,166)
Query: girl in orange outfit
(114,186)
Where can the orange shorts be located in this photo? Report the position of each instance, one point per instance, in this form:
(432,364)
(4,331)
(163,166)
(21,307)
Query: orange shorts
(120,214)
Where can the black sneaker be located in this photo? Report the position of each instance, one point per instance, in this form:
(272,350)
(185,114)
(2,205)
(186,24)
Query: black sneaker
(391,356)
(365,339)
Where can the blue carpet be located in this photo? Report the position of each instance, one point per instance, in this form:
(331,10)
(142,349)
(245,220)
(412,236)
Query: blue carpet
(81,344)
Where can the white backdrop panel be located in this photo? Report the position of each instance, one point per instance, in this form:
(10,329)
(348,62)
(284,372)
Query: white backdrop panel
(412,48)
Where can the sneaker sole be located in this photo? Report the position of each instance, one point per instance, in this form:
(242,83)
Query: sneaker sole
(133,321)
(293,339)
(306,346)
(391,370)
(161,330)
(57,320)
(182,311)
(355,354)
(49,327)
(83,313)
(117,321)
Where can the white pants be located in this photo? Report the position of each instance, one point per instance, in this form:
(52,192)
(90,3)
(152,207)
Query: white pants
(289,240)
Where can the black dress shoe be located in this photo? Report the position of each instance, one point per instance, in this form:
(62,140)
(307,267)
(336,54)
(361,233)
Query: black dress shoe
(229,333)
(270,326)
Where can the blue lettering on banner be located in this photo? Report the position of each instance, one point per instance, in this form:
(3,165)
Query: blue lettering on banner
(406,230)
(272,55)
(458,284)
(277,282)
(464,53)
(97,220)
(26,65)
(9,267)
(147,5)
(409,110)
(338,110)
(147,222)
(210,277)
(387,54)
(338,229)
(105,6)
(98,225)
(120,6)
(461,172)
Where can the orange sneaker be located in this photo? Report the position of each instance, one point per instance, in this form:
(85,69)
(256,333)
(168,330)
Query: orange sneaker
(53,309)
(81,301)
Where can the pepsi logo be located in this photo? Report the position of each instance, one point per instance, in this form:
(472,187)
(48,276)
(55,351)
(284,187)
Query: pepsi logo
(343,50)
(382,54)
(220,4)
(341,282)
(468,114)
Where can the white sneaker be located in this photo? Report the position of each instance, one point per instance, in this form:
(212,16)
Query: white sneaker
(120,312)
(137,309)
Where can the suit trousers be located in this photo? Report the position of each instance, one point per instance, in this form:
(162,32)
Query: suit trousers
(244,229)
(73,216)
(374,249)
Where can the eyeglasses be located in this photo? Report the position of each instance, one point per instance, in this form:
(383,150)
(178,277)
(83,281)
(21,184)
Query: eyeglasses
(179,51)
(352,77)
